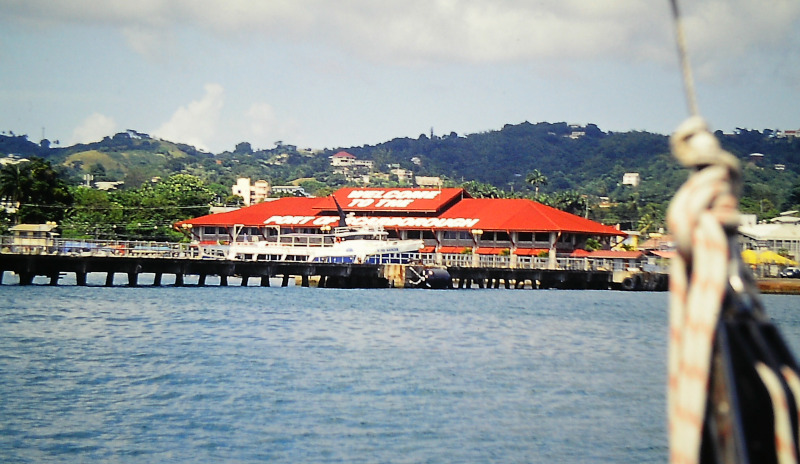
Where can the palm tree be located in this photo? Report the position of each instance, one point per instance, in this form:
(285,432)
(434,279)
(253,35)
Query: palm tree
(12,182)
(478,189)
(536,178)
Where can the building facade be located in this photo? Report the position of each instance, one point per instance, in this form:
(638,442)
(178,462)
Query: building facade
(251,193)
(781,234)
(447,220)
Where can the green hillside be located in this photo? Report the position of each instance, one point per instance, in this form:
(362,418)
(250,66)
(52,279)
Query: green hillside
(579,166)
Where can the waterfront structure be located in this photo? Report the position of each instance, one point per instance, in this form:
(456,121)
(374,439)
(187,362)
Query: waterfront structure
(38,238)
(448,220)
(780,234)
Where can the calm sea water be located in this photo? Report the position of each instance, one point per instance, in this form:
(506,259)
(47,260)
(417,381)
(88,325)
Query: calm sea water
(305,375)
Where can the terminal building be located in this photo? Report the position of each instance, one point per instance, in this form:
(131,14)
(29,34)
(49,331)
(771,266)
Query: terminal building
(447,219)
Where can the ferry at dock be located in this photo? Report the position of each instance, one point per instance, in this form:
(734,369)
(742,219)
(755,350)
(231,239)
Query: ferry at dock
(360,245)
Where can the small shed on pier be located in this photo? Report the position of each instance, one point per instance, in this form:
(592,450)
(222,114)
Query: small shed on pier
(28,238)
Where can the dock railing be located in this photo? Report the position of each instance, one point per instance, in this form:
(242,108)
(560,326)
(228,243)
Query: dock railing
(156,249)
(86,247)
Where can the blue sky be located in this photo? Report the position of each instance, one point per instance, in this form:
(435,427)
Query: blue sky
(324,74)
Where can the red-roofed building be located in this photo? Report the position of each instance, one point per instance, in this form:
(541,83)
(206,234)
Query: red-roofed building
(342,159)
(448,220)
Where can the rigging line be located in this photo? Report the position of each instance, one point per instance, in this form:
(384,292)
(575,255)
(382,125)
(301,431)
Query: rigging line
(686,68)
(114,208)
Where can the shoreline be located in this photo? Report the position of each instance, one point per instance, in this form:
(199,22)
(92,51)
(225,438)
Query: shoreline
(779,286)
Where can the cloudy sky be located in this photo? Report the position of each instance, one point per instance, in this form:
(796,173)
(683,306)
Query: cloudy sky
(321,73)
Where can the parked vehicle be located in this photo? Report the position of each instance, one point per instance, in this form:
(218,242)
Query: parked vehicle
(790,273)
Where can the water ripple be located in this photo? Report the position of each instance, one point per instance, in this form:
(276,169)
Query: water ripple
(292,375)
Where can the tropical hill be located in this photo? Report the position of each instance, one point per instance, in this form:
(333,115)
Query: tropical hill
(584,165)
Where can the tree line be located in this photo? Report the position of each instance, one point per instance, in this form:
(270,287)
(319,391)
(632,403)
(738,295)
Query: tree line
(38,194)
(577,169)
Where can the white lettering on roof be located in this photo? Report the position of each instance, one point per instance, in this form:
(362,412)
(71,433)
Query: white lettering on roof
(439,223)
(395,194)
(420,222)
(325,220)
(360,203)
(289,220)
(389,198)
(412,194)
(366,194)
(388,203)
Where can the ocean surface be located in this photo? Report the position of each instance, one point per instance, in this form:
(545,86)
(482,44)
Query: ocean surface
(306,375)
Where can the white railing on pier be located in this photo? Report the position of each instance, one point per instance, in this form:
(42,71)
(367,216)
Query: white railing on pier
(154,249)
(85,247)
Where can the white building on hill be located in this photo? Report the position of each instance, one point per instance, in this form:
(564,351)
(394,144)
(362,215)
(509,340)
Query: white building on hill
(251,193)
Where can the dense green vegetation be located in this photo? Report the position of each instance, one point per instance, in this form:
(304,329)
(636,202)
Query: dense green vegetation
(577,169)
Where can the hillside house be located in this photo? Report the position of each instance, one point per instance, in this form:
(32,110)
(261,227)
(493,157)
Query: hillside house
(631,178)
(429,182)
(342,159)
(404,176)
(352,168)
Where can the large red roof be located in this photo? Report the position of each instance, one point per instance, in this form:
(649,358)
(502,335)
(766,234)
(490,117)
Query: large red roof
(524,215)
(435,209)
(259,214)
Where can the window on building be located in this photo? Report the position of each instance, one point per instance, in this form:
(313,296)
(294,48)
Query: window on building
(457,235)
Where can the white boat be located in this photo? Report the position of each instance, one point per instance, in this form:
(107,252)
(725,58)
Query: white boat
(370,245)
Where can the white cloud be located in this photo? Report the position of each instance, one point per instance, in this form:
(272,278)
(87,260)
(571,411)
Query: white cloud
(196,123)
(265,127)
(472,31)
(462,30)
(93,129)
(150,42)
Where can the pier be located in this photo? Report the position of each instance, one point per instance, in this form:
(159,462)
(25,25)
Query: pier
(147,264)
(52,267)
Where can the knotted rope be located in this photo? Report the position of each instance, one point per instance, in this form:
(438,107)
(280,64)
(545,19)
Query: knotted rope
(703,217)
(700,213)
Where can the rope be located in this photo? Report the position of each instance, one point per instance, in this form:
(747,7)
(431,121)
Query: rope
(686,69)
(703,217)
(706,274)
(784,442)
(698,216)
